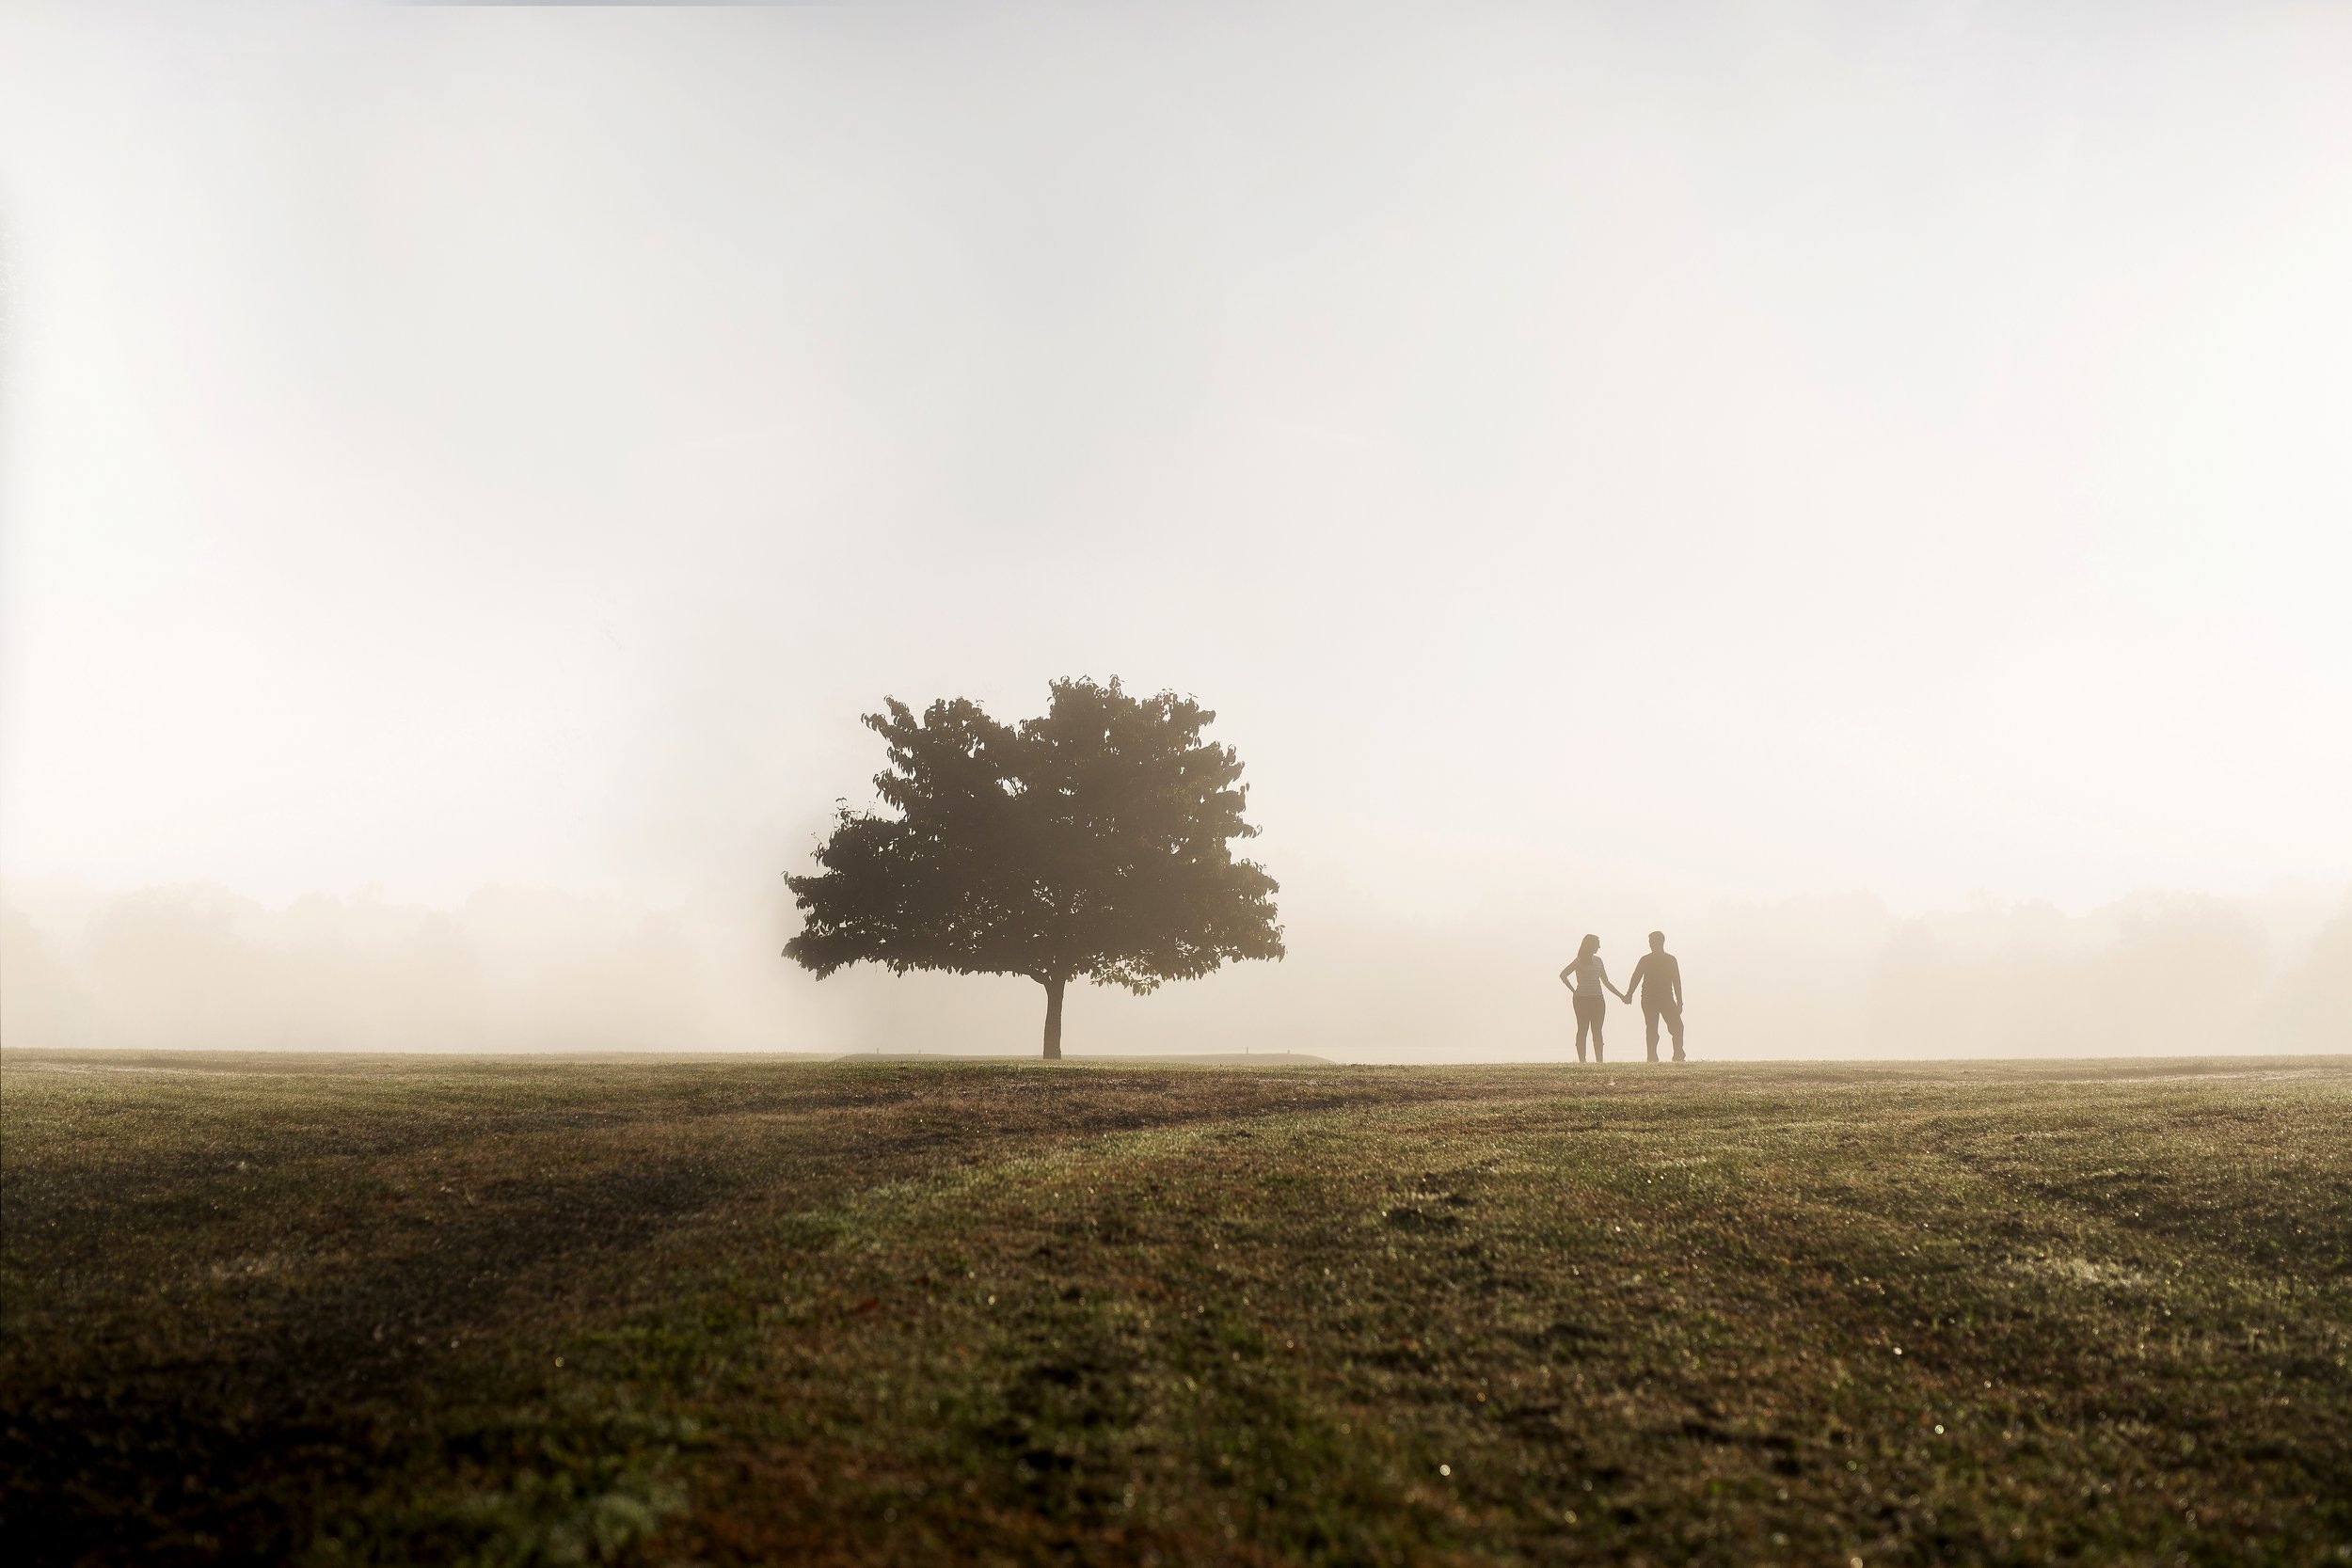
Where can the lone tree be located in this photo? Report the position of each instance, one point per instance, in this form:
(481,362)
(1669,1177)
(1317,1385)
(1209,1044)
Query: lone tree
(1092,843)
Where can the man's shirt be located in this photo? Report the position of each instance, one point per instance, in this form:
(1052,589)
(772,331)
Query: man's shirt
(1658,977)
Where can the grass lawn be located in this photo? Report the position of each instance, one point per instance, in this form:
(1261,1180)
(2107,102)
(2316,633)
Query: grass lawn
(341,1310)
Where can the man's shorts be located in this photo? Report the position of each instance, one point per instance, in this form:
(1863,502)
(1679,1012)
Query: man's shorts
(1670,1011)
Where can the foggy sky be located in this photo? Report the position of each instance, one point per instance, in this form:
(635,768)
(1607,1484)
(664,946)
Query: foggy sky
(1606,466)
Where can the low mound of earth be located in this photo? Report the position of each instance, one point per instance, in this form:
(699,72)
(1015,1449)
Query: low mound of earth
(423,1309)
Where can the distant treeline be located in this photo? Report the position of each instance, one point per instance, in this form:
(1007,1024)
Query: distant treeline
(523,969)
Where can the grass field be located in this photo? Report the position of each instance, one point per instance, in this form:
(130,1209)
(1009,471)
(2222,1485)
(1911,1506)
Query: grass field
(412,1311)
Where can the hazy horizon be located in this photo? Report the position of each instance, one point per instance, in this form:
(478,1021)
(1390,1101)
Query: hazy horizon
(515,969)
(1861,489)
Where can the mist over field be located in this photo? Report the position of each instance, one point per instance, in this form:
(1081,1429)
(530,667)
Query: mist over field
(1607,468)
(621,624)
(519,969)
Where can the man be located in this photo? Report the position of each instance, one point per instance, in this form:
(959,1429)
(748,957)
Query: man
(1659,979)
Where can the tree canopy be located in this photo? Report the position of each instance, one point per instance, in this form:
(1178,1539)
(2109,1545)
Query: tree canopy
(1094,843)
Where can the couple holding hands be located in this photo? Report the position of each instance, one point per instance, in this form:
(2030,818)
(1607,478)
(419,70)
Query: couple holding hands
(1658,977)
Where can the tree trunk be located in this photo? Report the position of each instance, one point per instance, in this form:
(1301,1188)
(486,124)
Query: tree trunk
(1052,1019)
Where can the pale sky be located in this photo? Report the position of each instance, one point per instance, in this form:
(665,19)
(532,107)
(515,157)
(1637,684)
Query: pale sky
(1741,452)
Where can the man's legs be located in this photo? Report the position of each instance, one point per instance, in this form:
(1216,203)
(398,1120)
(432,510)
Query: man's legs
(1673,1013)
(1649,1026)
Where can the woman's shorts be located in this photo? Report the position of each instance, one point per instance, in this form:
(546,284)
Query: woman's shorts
(1589,1010)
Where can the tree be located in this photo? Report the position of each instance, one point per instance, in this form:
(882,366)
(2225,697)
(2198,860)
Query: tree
(1094,843)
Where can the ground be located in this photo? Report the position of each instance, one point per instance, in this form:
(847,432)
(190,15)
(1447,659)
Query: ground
(334,1310)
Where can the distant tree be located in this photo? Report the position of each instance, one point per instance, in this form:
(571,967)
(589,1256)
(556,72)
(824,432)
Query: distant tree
(1094,843)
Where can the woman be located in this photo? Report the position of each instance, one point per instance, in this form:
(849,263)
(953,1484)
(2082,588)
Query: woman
(1587,979)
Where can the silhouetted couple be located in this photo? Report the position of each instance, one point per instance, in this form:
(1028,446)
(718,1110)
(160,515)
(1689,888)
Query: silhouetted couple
(1658,977)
